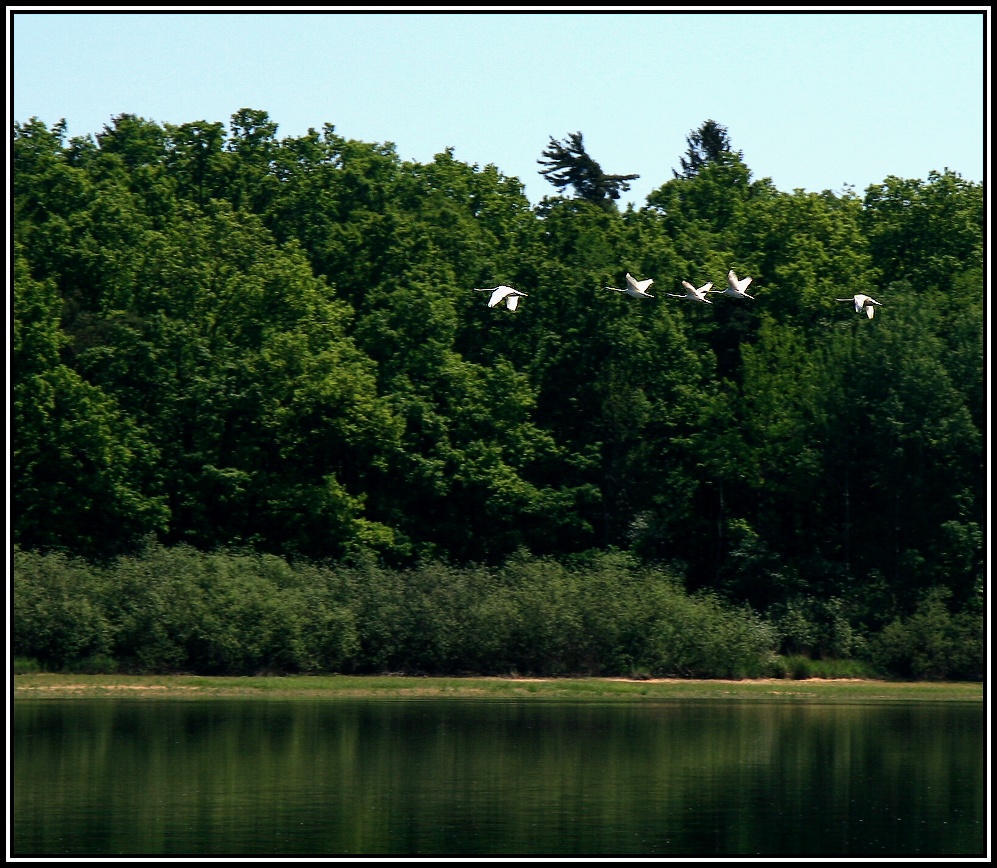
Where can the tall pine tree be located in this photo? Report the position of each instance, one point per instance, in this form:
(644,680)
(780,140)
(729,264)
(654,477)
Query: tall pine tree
(706,145)
(568,164)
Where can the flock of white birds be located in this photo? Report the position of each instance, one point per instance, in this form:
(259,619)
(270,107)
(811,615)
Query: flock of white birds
(736,288)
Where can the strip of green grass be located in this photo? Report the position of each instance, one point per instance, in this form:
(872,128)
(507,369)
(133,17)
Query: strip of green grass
(51,686)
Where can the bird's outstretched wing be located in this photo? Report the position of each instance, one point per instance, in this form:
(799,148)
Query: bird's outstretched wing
(697,292)
(640,286)
(499,293)
(739,286)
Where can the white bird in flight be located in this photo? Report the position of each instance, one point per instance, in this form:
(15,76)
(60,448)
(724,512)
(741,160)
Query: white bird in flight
(636,288)
(503,293)
(735,287)
(694,294)
(863,302)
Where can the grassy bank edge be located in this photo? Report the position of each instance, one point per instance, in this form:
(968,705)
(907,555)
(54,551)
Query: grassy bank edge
(58,686)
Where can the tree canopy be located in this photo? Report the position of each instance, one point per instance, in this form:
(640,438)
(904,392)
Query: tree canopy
(240,340)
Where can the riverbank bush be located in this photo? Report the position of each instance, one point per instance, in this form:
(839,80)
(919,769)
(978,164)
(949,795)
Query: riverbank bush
(933,643)
(169,610)
(799,667)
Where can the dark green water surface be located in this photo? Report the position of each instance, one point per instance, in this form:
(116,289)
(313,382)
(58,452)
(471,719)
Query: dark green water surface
(475,778)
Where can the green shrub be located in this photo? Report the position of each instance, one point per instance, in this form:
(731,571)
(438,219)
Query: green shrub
(546,629)
(700,637)
(799,666)
(321,631)
(154,603)
(933,643)
(816,629)
(25,666)
(178,609)
(56,616)
(95,664)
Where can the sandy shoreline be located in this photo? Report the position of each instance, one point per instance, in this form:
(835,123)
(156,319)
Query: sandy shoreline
(44,686)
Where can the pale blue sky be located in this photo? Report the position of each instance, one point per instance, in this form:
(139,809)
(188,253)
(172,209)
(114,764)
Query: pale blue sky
(814,100)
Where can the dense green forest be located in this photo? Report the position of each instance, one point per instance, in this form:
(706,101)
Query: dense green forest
(273,347)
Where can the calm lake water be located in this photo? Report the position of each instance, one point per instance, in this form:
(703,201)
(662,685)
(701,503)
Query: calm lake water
(476,778)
